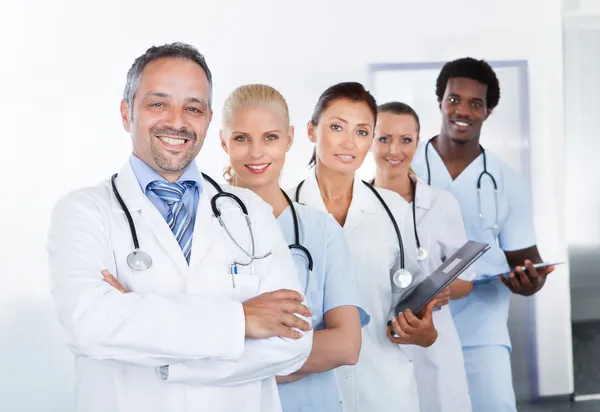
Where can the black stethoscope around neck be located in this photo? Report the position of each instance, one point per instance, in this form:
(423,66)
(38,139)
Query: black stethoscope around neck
(422,253)
(296,244)
(139,260)
(402,278)
(484,173)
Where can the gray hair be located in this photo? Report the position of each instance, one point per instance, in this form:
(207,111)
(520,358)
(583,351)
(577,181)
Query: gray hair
(173,50)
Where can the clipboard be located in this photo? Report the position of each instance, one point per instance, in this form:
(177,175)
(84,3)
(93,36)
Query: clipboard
(447,272)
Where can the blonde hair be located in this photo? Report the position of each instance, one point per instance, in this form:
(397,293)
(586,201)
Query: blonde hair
(400,108)
(251,95)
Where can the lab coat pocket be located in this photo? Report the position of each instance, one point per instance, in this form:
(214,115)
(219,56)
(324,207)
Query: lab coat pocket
(245,287)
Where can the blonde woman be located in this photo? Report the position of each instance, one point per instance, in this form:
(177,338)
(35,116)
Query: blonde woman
(256,134)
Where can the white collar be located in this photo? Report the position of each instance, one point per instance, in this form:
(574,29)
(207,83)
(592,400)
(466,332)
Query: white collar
(362,197)
(423,195)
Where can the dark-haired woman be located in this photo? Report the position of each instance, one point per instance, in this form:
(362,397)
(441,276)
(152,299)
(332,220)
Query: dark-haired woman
(342,127)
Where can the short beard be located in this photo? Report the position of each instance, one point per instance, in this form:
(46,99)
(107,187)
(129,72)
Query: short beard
(168,164)
(164,162)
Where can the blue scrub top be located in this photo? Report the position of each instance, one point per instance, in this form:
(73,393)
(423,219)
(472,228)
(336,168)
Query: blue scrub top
(481,317)
(332,284)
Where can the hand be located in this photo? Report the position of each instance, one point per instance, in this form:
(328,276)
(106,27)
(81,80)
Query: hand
(289,378)
(112,281)
(275,314)
(527,283)
(443,297)
(412,330)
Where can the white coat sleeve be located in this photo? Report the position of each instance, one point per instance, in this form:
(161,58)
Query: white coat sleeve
(453,234)
(262,358)
(102,323)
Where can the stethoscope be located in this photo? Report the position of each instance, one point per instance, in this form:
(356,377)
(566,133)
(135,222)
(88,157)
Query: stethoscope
(296,244)
(485,172)
(140,260)
(402,278)
(422,253)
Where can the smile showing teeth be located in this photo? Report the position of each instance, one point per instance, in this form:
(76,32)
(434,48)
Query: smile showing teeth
(171,140)
(461,124)
(394,162)
(258,167)
(345,157)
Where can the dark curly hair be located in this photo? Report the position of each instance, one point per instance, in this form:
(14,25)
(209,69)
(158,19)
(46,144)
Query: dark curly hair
(470,68)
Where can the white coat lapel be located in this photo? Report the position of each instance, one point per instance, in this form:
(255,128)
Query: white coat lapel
(309,194)
(423,199)
(144,214)
(129,189)
(440,176)
(361,206)
(206,228)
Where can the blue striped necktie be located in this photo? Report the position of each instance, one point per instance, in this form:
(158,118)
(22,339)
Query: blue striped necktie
(178,218)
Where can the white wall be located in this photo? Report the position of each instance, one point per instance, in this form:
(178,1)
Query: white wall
(64,65)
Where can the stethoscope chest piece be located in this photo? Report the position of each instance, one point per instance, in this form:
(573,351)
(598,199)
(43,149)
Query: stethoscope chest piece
(422,253)
(136,260)
(402,278)
(139,260)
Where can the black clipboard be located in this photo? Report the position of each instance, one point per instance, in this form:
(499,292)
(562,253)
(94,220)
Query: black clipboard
(433,284)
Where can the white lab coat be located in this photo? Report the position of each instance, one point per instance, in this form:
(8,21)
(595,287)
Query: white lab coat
(383,380)
(186,316)
(440,368)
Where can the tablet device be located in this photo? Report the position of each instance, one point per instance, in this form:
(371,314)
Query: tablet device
(442,277)
(537,266)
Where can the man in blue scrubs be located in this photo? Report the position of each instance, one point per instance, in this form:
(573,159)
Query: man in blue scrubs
(467,91)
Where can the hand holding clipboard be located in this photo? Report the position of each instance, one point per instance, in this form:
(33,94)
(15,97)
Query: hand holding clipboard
(443,276)
(422,299)
(410,329)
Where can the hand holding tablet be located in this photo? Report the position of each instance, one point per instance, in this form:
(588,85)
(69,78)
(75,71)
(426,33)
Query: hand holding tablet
(537,266)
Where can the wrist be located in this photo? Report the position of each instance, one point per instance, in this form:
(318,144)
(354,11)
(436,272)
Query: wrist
(429,339)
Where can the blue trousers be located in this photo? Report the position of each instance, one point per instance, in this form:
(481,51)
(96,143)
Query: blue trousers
(490,378)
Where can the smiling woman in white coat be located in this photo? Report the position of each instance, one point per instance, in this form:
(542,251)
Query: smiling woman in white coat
(342,127)
(439,231)
(196,332)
